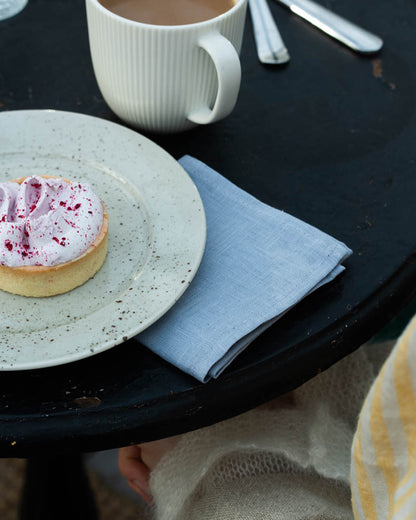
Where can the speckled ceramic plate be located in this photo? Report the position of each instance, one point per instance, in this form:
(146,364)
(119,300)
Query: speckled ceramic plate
(156,236)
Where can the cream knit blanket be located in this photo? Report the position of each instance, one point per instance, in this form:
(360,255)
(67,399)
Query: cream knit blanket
(289,459)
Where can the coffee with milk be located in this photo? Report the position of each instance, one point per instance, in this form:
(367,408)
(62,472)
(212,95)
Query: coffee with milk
(168,12)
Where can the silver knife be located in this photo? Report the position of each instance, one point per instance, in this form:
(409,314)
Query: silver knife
(339,28)
(270,46)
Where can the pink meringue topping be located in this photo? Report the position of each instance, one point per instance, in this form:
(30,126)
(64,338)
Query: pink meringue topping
(47,221)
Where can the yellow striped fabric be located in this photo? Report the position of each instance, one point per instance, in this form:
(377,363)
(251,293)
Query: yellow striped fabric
(383,462)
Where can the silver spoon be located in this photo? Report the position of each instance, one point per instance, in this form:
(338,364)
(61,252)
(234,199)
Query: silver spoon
(270,46)
(339,28)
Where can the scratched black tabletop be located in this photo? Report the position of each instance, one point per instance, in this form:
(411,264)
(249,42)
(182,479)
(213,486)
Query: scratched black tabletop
(329,138)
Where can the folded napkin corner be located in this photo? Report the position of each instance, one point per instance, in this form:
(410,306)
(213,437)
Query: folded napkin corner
(258,263)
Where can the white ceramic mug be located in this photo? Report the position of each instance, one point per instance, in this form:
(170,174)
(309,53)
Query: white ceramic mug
(167,78)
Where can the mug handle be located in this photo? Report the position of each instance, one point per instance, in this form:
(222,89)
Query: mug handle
(228,67)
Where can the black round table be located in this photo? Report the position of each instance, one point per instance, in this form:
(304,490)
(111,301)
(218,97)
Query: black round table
(329,138)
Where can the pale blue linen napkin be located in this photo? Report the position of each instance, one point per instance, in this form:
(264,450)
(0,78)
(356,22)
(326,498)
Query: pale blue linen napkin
(258,263)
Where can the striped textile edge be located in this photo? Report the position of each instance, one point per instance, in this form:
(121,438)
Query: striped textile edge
(383,457)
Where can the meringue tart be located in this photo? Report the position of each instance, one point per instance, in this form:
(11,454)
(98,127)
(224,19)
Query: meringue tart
(53,235)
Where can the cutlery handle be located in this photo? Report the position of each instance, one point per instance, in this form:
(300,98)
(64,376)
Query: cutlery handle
(339,28)
(270,46)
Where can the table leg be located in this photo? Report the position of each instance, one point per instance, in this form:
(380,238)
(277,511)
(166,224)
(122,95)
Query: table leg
(57,488)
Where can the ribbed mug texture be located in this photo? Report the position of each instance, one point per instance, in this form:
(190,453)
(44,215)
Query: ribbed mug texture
(154,76)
